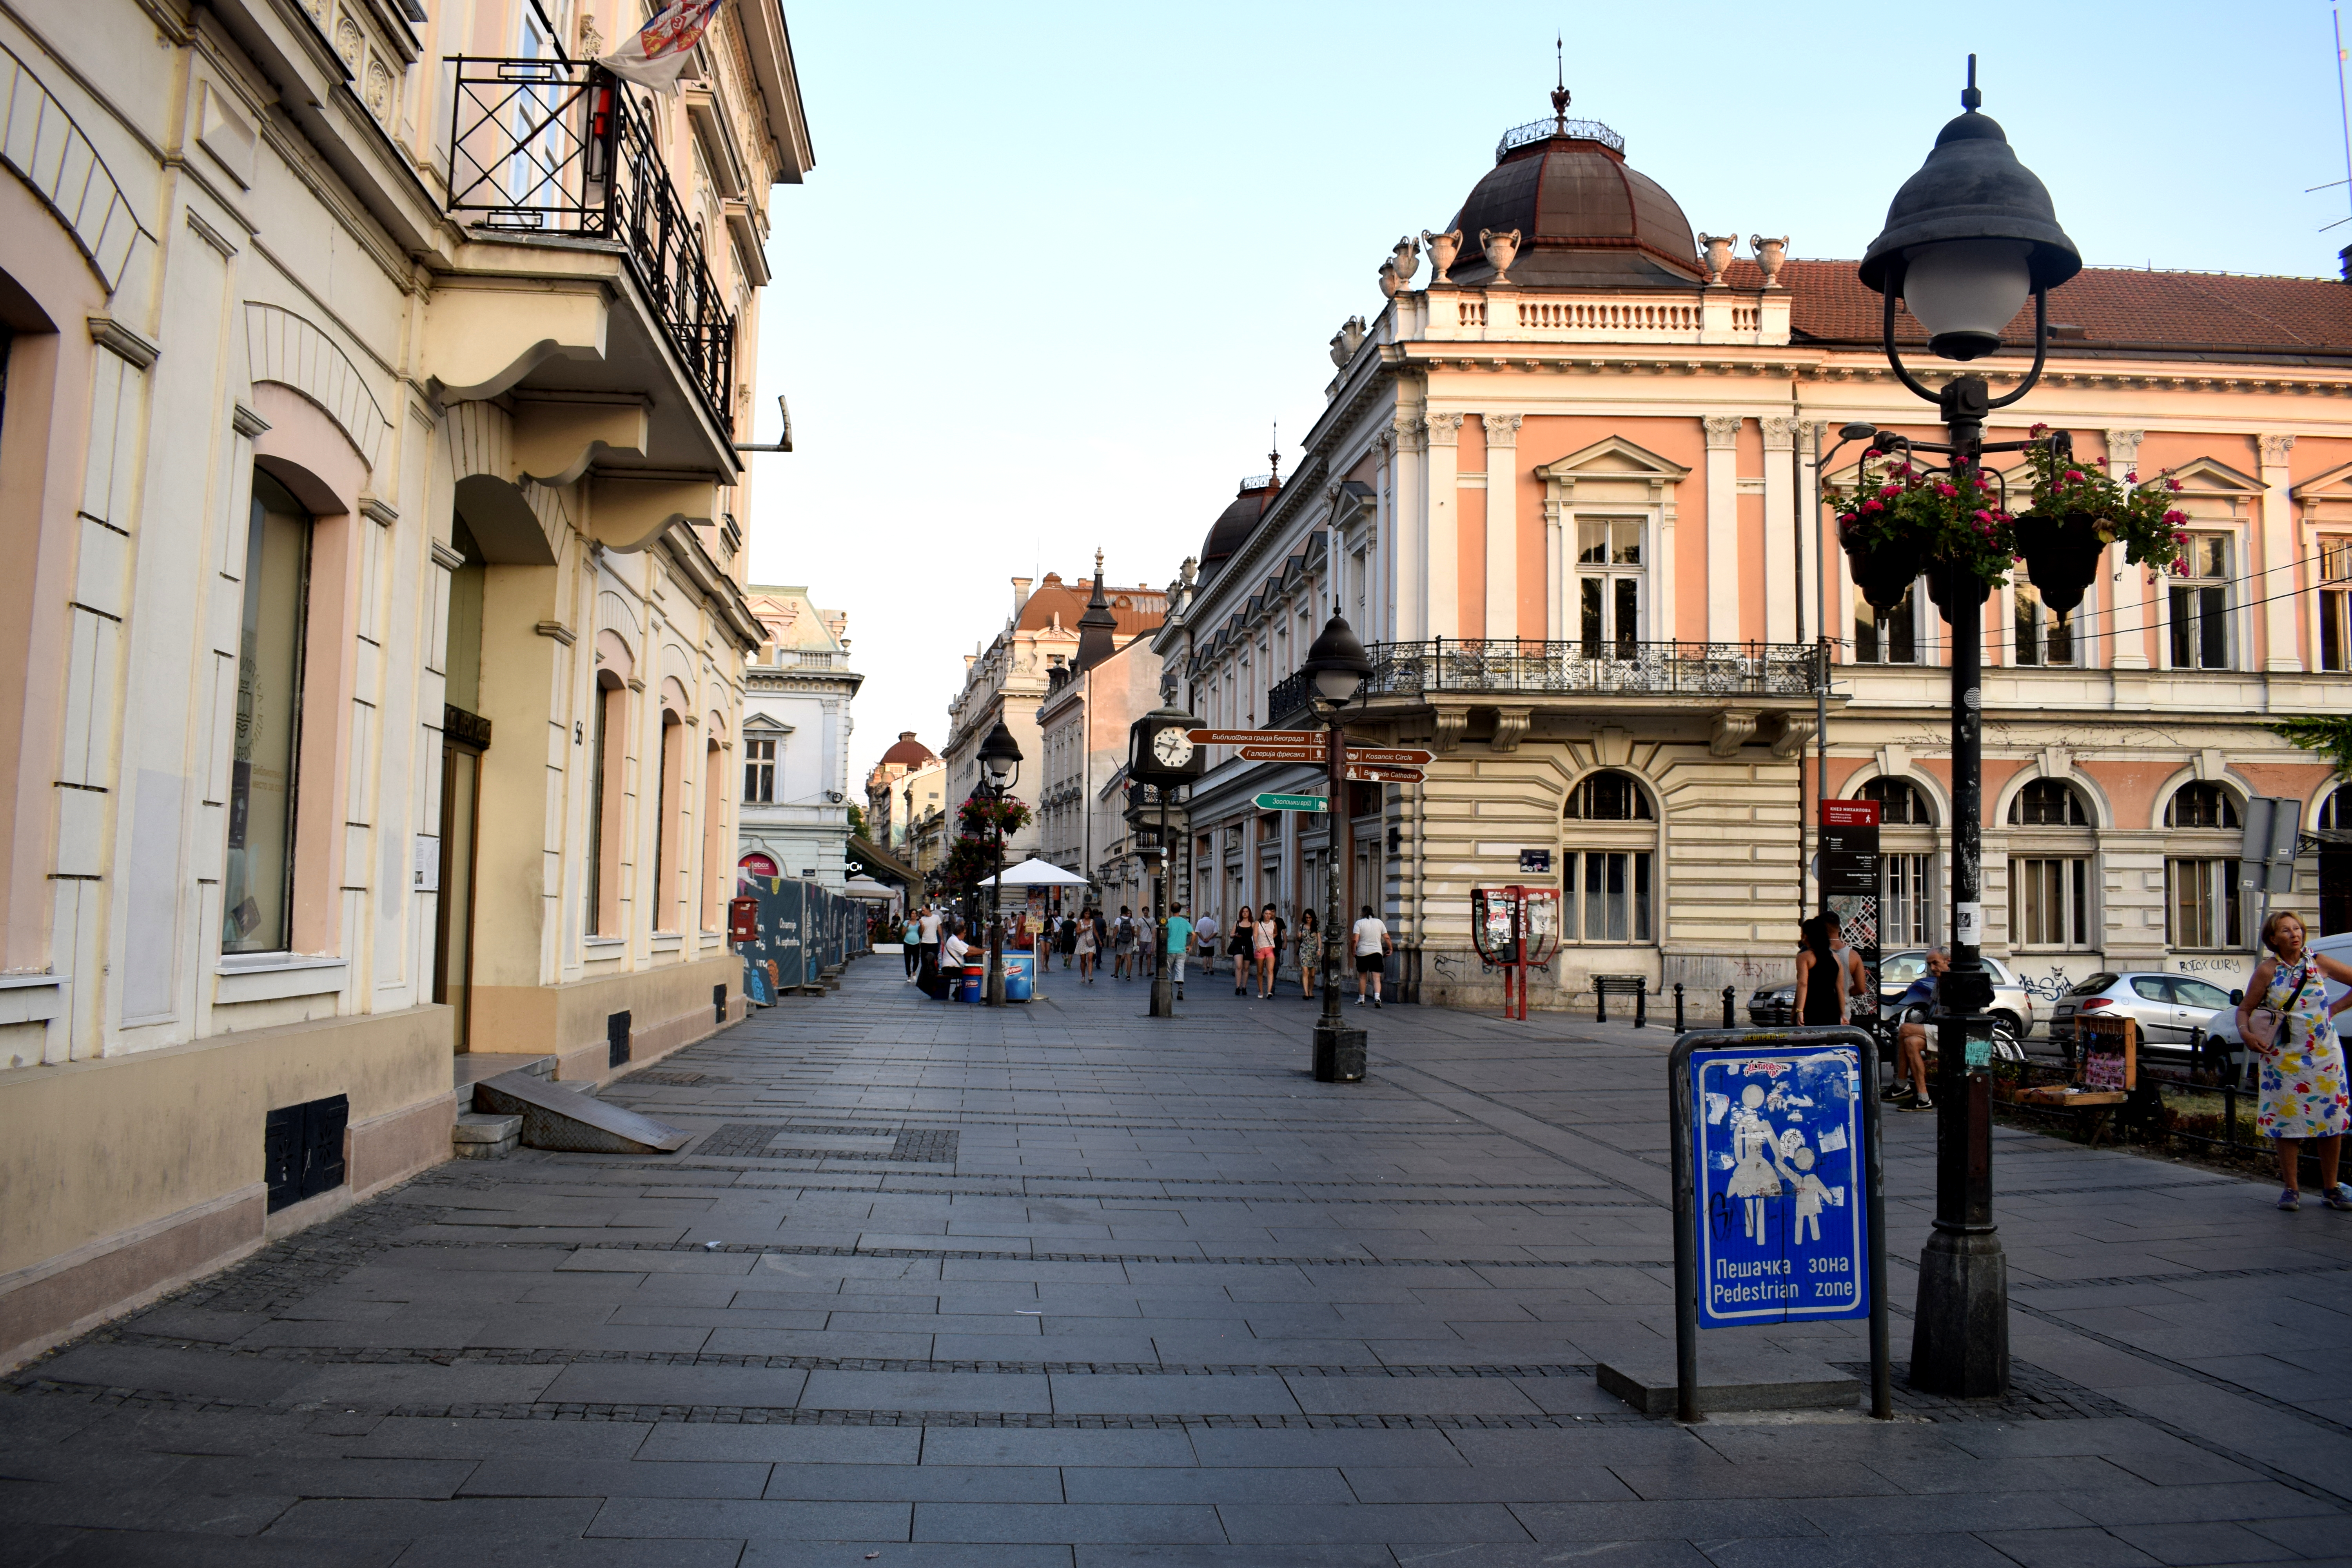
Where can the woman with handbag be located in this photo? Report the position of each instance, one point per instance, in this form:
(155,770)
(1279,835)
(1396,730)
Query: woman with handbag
(2286,1020)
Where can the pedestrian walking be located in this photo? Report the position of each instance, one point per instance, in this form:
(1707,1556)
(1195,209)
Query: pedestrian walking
(1372,947)
(925,931)
(2292,1030)
(1086,946)
(1271,931)
(1180,942)
(1245,946)
(1067,938)
(1310,945)
(1122,943)
(1821,977)
(1856,979)
(1204,940)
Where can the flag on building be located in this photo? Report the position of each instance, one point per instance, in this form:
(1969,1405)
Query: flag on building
(658,53)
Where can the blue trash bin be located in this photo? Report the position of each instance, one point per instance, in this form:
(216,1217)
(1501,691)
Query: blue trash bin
(971,986)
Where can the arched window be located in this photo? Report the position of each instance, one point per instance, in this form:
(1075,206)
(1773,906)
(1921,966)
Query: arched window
(1900,804)
(1608,797)
(2201,806)
(1608,879)
(257,908)
(2335,811)
(2048,802)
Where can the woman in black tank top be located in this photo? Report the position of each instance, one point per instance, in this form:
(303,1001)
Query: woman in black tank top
(1821,980)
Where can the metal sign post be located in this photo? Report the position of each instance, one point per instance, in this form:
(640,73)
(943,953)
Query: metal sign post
(1779,1189)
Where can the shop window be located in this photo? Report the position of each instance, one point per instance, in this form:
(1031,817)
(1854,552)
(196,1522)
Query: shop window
(759,773)
(1900,804)
(258,884)
(2201,806)
(1890,636)
(1605,896)
(2049,902)
(2048,802)
(2200,618)
(2336,603)
(2201,904)
(1608,796)
(1609,571)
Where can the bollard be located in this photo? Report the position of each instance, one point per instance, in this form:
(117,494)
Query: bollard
(1600,1002)
(1728,996)
(1678,1006)
(1642,1006)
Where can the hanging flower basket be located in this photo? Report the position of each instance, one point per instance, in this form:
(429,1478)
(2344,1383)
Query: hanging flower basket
(2061,555)
(1949,523)
(1883,572)
(1944,587)
(2083,499)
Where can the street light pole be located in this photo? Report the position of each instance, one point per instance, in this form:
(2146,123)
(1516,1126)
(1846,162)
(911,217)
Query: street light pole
(1000,759)
(1337,667)
(1967,240)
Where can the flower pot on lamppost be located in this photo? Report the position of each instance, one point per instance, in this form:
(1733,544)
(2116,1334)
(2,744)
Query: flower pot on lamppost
(2062,557)
(1969,239)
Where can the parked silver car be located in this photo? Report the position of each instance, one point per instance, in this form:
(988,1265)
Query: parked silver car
(2166,1006)
(2012,1002)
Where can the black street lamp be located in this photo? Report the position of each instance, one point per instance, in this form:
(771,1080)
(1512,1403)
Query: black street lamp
(1000,759)
(1967,240)
(1338,668)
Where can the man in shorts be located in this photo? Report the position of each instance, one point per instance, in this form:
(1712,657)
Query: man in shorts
(1180,940)
(1204,941)
(1373,945)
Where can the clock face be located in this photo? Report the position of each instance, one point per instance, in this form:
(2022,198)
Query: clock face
(1173,747)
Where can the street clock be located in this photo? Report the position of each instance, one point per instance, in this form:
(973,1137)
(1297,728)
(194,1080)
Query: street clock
(1160,750)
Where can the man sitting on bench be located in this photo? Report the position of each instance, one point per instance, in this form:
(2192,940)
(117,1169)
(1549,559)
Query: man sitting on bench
(1911,1038)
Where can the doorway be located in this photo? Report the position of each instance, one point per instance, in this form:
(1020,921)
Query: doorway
(461,789)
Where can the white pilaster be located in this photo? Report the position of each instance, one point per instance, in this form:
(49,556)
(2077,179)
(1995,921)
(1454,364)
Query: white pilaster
(1782,582)
(1441,572)
(2277,583)
(1722,527)
(2121,591)
(1502,525)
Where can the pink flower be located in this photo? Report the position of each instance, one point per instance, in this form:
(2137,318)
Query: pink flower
(1890,490)
(1873,506)
(2074,476)
(2176,517)
(2171,483)
(1983,516)
(2132,477)
(1945,490)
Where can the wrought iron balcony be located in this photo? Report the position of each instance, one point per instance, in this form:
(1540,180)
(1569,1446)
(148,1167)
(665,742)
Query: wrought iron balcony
(561,147)
(1507,667)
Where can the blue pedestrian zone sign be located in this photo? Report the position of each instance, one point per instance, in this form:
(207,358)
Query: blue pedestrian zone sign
(1783,1223)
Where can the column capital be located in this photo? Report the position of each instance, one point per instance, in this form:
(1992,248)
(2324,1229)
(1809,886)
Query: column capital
(1444,429)
(1780,434)
(2275,450)
(1722,430)
(1502,429)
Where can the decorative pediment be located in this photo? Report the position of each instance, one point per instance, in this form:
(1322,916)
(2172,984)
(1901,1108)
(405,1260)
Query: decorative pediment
(2211,477)
(2335,485)
(1612,470)
(760,724)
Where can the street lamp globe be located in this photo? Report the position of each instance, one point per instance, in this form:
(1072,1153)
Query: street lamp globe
(1969,237)
(999,754)
(1336,663)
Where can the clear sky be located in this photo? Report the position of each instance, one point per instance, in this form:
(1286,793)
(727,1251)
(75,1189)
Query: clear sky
(1058,268)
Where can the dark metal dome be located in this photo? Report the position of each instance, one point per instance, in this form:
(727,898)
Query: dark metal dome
(1586,220)
(907,750)
(1238,522)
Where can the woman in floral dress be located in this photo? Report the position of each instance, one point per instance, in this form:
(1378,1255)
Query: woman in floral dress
(2303,1090)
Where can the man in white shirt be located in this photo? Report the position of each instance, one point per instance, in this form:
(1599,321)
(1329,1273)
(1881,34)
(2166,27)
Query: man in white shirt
(1205,936)
(1371,944)
(927,933)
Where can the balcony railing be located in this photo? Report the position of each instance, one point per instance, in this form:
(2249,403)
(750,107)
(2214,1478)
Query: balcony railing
(546,146)
(1491,667)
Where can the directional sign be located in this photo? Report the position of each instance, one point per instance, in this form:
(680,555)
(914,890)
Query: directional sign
(1390,756)
(1283,755)
(1254,737)
(1271,801)
(1777,1142)
(1362,773)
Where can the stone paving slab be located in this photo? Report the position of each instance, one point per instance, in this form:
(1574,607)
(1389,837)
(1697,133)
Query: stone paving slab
(1144,1293)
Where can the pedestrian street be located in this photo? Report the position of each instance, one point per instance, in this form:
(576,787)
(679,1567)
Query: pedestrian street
(1058,1284)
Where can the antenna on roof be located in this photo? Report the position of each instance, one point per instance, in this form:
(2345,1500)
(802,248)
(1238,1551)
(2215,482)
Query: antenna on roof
(1559,94)
(1970,99)
(1275,457)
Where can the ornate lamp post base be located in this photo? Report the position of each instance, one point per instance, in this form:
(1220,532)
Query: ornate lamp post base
(1339,1052)
(1959,1340)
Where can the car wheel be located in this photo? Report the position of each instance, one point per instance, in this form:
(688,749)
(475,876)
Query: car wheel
(2009,1021)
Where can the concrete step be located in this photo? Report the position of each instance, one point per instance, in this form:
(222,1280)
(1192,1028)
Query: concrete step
(484,1135)
(556,1116)
(472,1066)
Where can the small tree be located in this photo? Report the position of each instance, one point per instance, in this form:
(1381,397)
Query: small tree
(857,822)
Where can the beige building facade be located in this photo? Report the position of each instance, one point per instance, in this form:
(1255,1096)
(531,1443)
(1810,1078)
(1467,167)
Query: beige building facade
(1564,491)
(371,677)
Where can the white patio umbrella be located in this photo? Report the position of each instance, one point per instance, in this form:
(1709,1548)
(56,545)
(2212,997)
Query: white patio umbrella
(1035,873)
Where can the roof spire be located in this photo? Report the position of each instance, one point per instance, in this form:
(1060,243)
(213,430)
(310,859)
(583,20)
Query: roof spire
(1096,627)
(1970,99)
(1273,459)
(1559,93)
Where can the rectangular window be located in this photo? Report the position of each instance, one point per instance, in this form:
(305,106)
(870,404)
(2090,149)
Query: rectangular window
(2200,620)
(1903,896)
(2201,904)
(1606,896)
(1891,638)
(2050,902)
(1608,585)
(2044,636)
(760,773)
(258,881)
(2336,604)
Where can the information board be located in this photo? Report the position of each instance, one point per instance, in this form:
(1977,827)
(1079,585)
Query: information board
(1848,872)
(1783,1222)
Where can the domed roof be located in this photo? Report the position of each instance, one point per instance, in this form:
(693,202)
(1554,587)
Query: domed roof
(907,749)
(1238,522)
(1586,220)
